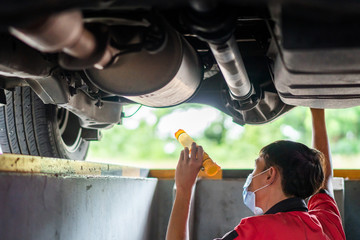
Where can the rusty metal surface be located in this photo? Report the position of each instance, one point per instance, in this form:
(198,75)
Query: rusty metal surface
(33,164)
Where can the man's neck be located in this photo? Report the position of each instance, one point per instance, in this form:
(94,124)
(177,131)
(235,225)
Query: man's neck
(274,196)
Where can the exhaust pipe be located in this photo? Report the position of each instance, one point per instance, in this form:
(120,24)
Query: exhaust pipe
(216,27)
(64,32)
(232,67)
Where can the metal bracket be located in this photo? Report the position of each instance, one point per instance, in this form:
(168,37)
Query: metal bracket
(52,89)
(92,116)
(91,134)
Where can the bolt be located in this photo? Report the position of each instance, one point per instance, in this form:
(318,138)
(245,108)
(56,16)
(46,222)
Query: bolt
(72,91)
(99,104)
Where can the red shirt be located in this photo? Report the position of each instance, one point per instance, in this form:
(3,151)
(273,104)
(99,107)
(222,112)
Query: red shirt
(322,221)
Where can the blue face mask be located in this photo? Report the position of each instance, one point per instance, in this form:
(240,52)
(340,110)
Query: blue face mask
(249,197)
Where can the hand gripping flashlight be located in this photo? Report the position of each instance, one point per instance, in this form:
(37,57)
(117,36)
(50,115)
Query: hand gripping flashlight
(209,166)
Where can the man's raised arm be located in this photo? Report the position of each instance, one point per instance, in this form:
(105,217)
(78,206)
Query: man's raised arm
(185,177)
(321,143)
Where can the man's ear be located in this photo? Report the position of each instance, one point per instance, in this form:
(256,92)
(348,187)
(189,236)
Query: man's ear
(272,174)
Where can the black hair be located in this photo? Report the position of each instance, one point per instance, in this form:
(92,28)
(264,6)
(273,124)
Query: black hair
(301,167)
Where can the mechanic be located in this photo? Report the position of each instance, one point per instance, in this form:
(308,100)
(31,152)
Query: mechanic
(285,174)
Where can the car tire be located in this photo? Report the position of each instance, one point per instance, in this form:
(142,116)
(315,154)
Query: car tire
(30,127)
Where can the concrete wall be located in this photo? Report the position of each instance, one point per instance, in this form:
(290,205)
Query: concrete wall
(48,207)
(218,207)
(161,209)
(352,209)
(75,208)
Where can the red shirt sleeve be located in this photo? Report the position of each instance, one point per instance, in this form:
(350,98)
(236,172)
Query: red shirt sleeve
(247,229)
(323,201)
(327,213)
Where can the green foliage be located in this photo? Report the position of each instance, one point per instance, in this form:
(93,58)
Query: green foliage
(228,144)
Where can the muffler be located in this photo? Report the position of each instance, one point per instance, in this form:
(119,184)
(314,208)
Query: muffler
(162,78)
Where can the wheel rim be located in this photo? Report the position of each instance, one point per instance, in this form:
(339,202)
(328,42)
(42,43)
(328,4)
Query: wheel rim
(69,129)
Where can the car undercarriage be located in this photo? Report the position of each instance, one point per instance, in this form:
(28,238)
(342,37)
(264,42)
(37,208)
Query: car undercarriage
(67,68)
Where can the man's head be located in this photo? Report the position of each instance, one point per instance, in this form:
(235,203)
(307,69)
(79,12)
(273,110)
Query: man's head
(300,167)
(292,170)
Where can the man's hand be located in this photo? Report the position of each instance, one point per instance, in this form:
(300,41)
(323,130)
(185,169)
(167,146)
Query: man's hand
(188,168)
